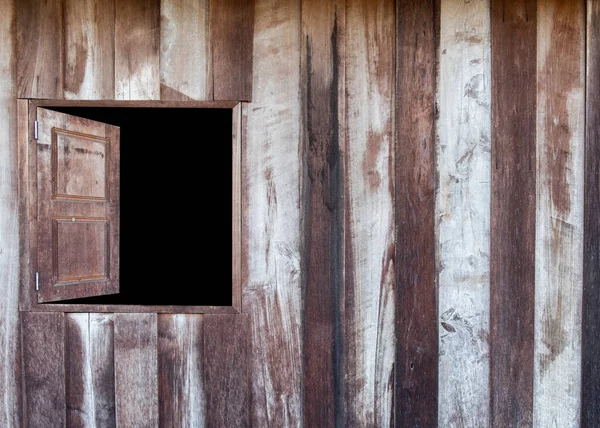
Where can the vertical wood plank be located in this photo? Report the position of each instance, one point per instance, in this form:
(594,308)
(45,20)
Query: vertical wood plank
(462,211)
(136,383)
(231,30)
(181,396)
(89,362)
(137,43)
(40,48)
(322,212)
(512,224)
(272,292)
(369,318)
(226,370)
(185,61)
(10,382)
(590,366)
(559,212)
(236,207)
(416,299)
(43,369)
(89,49)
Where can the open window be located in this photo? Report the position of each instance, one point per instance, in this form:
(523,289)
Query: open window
(128,206)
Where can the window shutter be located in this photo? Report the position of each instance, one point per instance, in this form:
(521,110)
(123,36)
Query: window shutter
(78,207)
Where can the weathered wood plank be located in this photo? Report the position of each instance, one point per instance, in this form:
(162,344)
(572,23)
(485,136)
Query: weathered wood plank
(136,383)
(559,212)
(368,320)
(231,30)
(181,396)
(225,360)
(512,224)
(236,207)
(462,213)
(89,366)
(10,376)
(43,369)
(185,61)
(137,43)
(89,49)
(590,359)
(416,299)
(322,211)
(272,292)
(40,48)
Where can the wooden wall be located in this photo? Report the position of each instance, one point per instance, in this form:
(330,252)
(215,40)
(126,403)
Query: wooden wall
(420,232)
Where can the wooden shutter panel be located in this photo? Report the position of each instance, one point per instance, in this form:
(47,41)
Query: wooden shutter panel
(78,207)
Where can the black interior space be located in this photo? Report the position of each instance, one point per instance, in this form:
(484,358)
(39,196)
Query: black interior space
(175,205)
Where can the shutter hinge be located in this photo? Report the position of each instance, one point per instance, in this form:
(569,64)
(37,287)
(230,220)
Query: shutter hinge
(37,281)
(35,129)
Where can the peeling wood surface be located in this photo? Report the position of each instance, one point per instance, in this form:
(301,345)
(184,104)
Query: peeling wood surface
(369,299)
(225,365)
(322,213)
(89,367)
(590,352)
(136,383)
(272,292)
(513,211)
(43,336)
(185,60)
(182,397)
(463,164)
(10,382)
(89,49)
(416,367)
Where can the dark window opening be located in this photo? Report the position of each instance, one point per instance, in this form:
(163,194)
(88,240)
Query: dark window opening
(175,205)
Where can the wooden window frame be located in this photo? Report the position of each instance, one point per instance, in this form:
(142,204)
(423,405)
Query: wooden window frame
(26,115)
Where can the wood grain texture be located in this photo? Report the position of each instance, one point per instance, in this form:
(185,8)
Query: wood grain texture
(272,292)
(89,49)
(590,352)
(137,45)
(136,378)
(39,48)
(369,340)
(462,213)
(225,353)
(236,208)
(185,60)
(181,393)
(559,212)
(231,30)
(416,299)
(89,367)
(512,225)
(10,382)
(43,336)
(322,211)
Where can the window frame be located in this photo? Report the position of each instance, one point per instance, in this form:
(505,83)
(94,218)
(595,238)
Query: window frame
(27,190)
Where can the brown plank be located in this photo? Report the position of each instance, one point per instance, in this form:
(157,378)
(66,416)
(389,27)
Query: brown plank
(272,294)
(185,61)
(136,383)
(181,395)
(416,298)
(43,369)
(225,354)
(590,352)
(137,43)
(368,320)
(10,382)
(322,212)
(89,366)
(40,48)
(512,229)
(89,49)
(231,30)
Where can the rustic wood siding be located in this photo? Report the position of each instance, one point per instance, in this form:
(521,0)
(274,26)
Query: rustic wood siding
(420,195)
